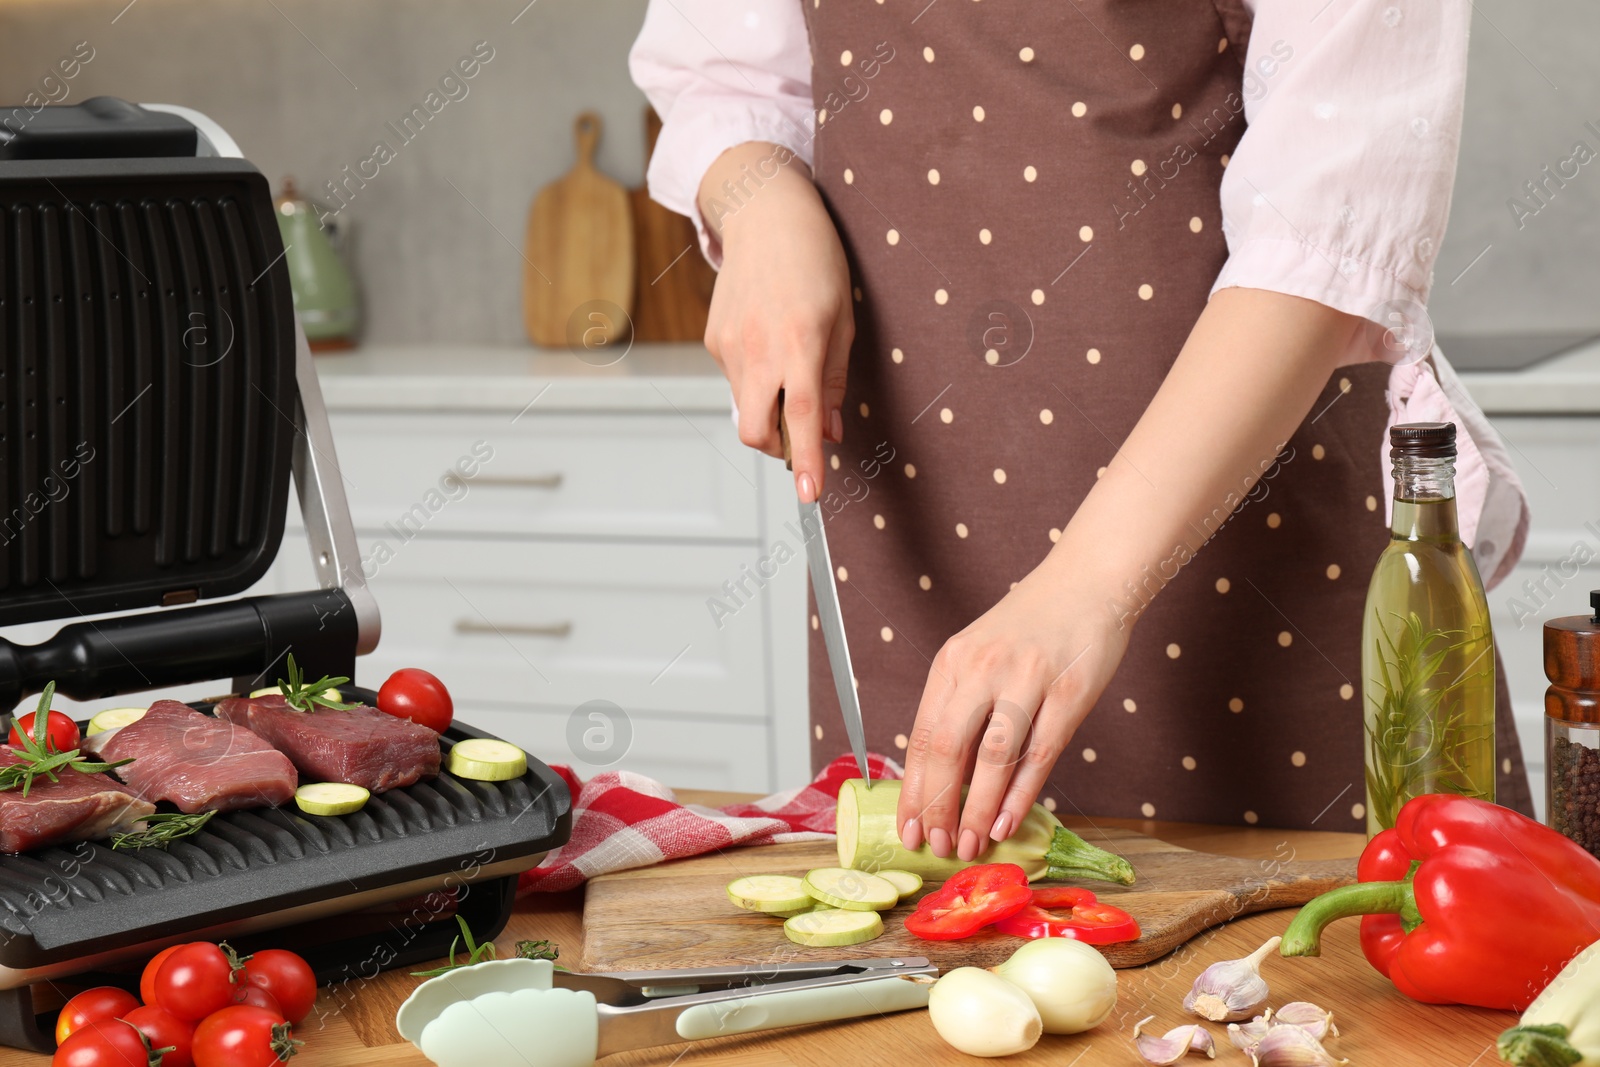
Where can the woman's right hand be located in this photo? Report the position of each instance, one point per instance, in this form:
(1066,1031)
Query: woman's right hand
(781,314)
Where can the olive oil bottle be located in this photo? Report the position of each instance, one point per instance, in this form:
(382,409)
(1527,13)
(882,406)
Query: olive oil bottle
(1427,657)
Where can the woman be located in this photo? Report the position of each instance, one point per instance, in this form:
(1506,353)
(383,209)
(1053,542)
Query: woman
(1089,272)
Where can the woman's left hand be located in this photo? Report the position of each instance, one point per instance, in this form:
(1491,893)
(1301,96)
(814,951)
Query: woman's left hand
(1004,697)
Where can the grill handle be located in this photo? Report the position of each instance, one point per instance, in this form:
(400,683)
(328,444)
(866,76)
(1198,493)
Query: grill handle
(235,639)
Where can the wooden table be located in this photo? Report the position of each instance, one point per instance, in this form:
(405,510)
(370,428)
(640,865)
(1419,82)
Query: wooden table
(1378,1027)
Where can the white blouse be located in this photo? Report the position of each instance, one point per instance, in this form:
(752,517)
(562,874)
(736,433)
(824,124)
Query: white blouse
(1338,191)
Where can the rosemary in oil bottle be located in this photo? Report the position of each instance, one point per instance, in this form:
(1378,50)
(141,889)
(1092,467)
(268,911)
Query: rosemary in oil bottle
(1427,658)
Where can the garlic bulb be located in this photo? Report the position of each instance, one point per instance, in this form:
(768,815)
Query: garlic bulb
(1174,1045)
(1318,1022)
(1288,1045)
(1232,989)
(982,1014)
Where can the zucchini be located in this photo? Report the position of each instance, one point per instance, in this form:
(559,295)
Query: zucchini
(832,928)
(115,719)
(904,882)
(851,890)
(483,759)
(273,691)
(330,798)
(869,840)
(770,893)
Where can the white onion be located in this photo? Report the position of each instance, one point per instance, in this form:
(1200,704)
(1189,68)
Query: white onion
(982,1014)
(1070,983)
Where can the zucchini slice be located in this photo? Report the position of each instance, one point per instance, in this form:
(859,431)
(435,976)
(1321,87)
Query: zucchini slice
(904,882)
(330,798)
(851,890)
(115,719)
(831,928)
(273,691)
(484,759)
(770,893)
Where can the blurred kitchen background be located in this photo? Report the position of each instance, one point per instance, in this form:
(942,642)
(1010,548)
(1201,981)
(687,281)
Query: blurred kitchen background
(516,594)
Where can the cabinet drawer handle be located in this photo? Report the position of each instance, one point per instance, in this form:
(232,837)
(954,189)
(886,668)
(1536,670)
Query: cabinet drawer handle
(531,481)
(473,626)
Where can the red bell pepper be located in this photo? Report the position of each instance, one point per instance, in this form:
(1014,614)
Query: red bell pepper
(1465,902)
(969,900)
(1066,911)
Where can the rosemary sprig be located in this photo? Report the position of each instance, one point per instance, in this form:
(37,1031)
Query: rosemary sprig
(38,758)
(1415,735)
(163,829)
(308,696)
(538,950)
(476,953)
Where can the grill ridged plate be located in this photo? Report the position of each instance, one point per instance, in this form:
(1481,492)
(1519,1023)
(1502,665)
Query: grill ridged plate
(78,900)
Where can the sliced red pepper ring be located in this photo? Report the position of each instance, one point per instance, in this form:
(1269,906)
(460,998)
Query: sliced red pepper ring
(1066,911)
(969,900)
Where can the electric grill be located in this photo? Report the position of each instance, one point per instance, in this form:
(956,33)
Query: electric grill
(156,397)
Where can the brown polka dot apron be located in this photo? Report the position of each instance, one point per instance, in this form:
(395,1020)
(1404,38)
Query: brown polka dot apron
(1028,196)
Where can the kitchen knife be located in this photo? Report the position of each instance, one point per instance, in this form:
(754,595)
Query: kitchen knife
(830,617)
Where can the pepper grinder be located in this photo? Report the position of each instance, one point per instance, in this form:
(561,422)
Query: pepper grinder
(1572,725)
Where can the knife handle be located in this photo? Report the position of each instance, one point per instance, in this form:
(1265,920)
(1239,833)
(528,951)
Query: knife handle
(783,434)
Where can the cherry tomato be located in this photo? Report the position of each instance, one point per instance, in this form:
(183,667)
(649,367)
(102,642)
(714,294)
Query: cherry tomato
(242,1036)
(969,900)
(165,1031)
(287,977)
(107,1043)
(411,693)
(91,1006)
(147,979)
(258,997)
(195,981)
(60,732)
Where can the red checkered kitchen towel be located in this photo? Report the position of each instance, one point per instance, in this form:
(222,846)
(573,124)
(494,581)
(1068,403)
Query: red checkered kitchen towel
(622,820)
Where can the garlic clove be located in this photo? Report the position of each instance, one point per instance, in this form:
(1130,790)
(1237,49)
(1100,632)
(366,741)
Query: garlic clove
(1246,1036)
(1232,989)
(1318,1022)
(1288,1045)
(1174,1045)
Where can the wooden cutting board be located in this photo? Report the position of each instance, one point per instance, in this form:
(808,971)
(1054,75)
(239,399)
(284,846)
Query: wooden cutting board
(677,914)
(673,282)
(577,275)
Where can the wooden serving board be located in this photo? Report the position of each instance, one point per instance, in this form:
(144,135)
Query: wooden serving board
(673,282)
(678,915)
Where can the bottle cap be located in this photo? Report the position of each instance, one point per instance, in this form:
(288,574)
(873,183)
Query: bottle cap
(1428,440)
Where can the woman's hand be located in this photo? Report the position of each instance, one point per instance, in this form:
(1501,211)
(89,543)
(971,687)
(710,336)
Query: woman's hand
(1004,697)
(781,314)
(1006,694)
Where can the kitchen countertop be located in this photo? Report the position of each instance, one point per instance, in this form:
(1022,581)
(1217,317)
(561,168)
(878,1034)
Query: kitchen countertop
(1377,1025)
(643,377)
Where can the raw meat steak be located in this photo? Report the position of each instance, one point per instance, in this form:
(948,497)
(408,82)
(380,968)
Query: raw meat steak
(76,807)
(197,762)
(361,746)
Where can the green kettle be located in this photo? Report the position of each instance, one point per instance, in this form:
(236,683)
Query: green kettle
(324,292)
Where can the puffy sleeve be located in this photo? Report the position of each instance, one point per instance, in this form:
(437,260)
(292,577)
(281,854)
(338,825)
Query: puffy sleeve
(1340,186)
(720,74)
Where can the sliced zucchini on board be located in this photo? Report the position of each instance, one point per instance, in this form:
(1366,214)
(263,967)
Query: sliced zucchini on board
(770,893)
(330,798)
(904,882)
(484,759)
(851,890)
(115,719)
(831,928)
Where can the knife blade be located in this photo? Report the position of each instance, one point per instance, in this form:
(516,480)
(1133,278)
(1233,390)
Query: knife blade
(830,616)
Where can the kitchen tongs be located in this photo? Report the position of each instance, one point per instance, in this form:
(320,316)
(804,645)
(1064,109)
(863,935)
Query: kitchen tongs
(641,1009)
(523,1011)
